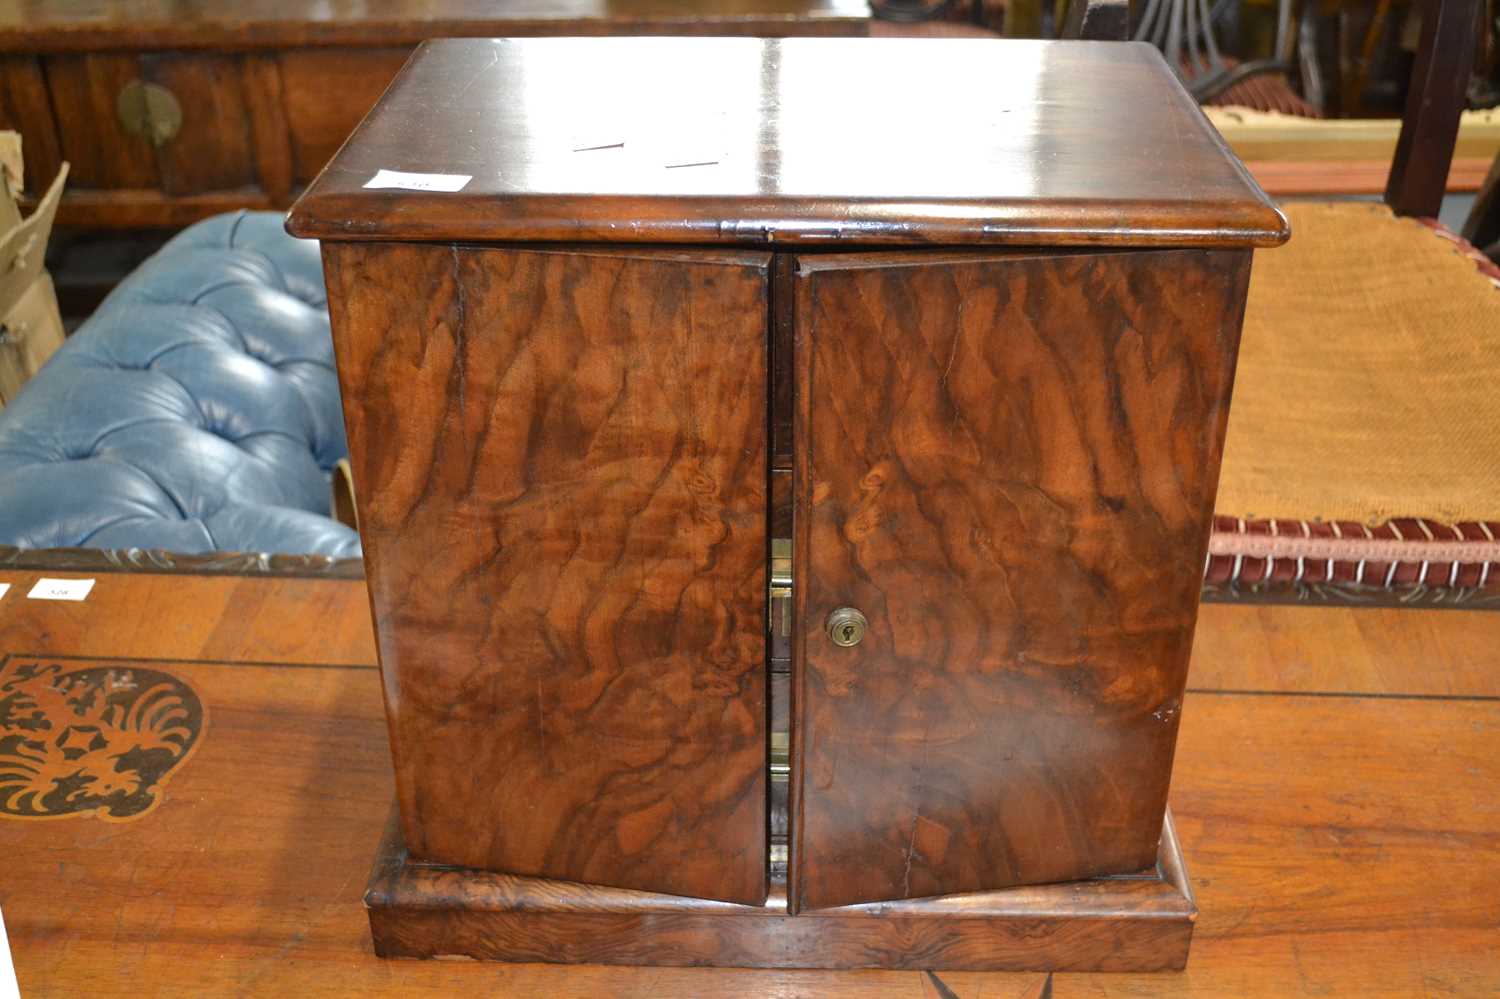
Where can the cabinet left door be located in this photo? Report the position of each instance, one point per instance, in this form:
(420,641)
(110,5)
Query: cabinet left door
(560,460)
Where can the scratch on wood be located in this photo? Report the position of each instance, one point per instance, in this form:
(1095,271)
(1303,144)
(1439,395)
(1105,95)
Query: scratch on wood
(494,58)
(461,306)
(957,336)
(911,848)
(941,986)
(541,717)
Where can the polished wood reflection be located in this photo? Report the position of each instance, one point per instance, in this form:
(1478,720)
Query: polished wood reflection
(1003,417)
(1334,793)
(1143,922)
(803,141)
(1008,464)
(561,468)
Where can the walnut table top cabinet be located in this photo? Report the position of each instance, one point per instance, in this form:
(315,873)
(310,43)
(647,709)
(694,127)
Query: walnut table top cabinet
(784,496)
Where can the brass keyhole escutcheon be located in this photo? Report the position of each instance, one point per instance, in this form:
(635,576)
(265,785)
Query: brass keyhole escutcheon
(846,627)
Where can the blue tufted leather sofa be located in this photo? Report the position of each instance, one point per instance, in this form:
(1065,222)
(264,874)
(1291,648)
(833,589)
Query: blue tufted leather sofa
(196,411)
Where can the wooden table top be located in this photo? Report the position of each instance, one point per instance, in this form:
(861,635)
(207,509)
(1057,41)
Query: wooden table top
(32,26)
(815,141)
(1334,792)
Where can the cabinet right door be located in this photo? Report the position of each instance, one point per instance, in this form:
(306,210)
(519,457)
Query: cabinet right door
(1006,463)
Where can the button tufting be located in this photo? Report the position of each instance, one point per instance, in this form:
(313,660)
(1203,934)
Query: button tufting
(214,431)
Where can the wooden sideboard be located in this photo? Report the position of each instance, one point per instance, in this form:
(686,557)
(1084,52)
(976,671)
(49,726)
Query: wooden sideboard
(173,111)
(613,348)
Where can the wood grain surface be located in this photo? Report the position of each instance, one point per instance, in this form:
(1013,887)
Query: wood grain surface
(1142,922)
(100,152)
(318,125)
(1365,651)
(266,98)
(1339,844)
(759,150)
(1319,178)
(1008,464)
(26,108)
(214,150)
(561,467)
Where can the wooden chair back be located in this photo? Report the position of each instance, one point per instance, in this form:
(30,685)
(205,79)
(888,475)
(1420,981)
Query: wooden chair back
(1097,20)
(1434,101)
(1435,98)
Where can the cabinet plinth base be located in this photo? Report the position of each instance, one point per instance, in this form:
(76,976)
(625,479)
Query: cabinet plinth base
(1141,922)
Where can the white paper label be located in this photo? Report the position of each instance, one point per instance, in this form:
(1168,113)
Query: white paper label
(61,589)
(9,989)
(4,588)
(445,182)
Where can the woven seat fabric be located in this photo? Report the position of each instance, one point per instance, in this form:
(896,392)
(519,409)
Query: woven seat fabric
(1271,92)
(1362,447)
(1368,374)
(1401,554)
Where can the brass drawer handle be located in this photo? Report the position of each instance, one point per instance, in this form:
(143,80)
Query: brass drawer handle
(150,111)
(846,627)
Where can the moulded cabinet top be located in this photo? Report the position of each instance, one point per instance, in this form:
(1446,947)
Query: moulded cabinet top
(803,141)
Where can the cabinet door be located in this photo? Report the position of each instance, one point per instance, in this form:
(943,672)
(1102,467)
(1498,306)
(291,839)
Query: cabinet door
(1007,463)
(560,462)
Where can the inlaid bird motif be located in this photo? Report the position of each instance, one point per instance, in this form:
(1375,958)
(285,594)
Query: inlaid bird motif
(99,740)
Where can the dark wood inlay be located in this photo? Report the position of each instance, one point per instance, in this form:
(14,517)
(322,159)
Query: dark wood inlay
(98,740)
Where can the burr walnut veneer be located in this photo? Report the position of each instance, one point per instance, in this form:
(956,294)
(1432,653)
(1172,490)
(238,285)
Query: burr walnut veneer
(784,499)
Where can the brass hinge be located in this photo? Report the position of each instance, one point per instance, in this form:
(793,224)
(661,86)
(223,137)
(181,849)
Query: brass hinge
(781,756)
(781,587)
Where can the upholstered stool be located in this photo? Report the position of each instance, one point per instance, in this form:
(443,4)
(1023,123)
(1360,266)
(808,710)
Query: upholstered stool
(196,411)
(1362,447)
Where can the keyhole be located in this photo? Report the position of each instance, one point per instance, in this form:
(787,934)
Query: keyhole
(846,627)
